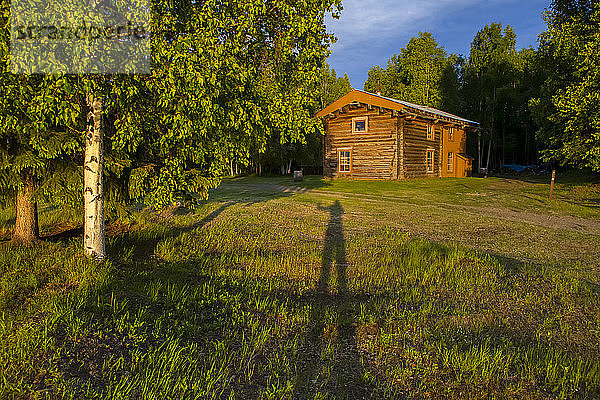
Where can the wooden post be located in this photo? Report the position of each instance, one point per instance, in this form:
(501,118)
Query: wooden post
(552,183)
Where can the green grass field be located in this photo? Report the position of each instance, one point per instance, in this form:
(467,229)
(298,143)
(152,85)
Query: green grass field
(473,288)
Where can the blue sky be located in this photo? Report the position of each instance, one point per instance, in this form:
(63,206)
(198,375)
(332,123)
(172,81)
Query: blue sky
(370,31)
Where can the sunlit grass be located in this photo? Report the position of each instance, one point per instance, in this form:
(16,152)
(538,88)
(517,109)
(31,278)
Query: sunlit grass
(273,295)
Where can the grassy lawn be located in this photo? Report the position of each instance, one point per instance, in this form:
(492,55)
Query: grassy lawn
(472,288)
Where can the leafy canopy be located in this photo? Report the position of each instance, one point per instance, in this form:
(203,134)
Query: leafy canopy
(417,74)
(567,111)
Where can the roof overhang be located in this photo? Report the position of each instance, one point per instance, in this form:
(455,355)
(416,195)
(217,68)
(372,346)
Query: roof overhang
(357,97)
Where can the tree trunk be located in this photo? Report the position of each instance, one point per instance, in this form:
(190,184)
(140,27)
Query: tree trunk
(526,158)
(26,223)
(487,166)
(93,194)
(479,151)
(503,140)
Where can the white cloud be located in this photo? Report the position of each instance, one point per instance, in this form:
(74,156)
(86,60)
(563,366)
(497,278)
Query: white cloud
(370,31)
(364,20)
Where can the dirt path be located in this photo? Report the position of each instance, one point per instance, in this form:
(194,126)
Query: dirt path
(562,222)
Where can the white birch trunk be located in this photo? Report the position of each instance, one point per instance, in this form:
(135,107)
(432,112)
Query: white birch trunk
(93,231)
(487,165)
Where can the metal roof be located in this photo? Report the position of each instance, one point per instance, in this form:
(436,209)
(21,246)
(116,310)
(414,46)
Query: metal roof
(425,109)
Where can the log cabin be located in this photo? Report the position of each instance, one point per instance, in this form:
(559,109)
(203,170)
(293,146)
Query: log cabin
(368,136)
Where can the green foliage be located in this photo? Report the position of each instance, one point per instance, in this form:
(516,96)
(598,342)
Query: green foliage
(279,150)
(38,119)
(567,110)
(490,69)
(42,129)
(421,73)
(38,136)
(332,86)
(377,80)
(248,75)
(497,83)
(227,78)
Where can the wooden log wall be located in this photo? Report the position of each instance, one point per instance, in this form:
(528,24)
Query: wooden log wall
(374,154)
(416,145)
(394,147)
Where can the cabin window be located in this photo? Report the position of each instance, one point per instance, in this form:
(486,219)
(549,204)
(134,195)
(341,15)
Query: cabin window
(360,124)
(451,133)
(344,160)
(450,162)
(429,132)
(430,161)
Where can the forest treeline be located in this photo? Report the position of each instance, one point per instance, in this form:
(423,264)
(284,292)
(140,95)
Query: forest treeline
(235,85)
(492,86)
(534,105)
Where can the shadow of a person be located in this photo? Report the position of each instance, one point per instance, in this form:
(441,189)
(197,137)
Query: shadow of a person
(345,374)
(334,251)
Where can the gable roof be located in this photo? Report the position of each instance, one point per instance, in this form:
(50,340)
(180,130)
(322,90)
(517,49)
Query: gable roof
(392,104)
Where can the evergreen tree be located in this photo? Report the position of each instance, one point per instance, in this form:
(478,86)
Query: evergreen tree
(449,86)
(377,81)
(220,87)
(333,87)
(421,65)
(38,142)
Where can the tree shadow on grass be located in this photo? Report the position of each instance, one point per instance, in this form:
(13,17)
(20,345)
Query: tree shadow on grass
(65,235)
(144,244)
(138,281)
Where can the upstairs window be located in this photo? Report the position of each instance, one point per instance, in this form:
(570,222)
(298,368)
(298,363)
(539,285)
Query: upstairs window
(430,161)
(451,133)
(344,161)
(360,124)
(429,132)
(450,162)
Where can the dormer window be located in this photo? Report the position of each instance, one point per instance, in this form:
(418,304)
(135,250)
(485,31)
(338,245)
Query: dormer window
(360,124)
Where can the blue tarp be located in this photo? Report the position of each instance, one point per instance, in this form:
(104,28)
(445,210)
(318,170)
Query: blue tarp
(518,168)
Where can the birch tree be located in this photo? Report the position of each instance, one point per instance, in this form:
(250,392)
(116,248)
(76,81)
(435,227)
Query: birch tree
(415,74)
(93,193)
(333,87)
(169,136)
(489,70)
